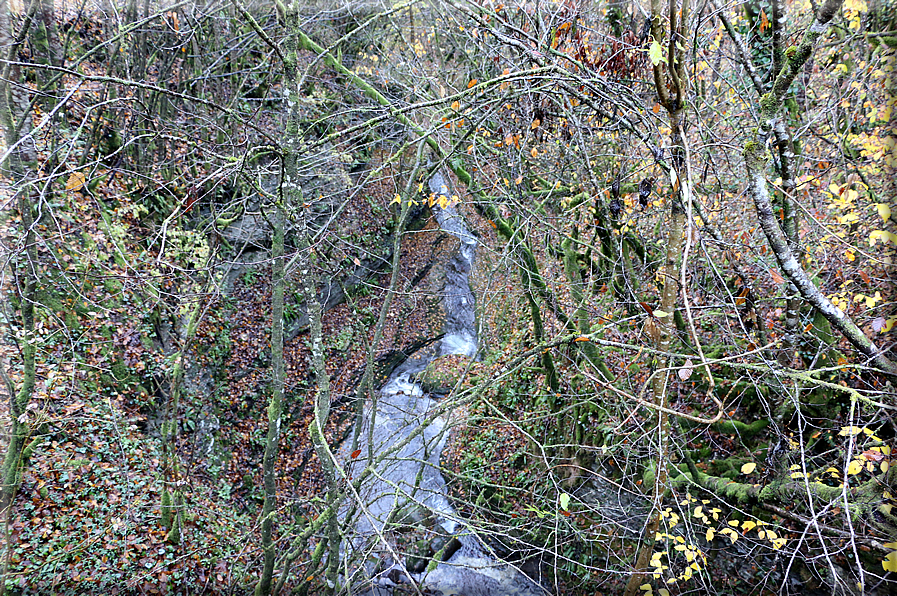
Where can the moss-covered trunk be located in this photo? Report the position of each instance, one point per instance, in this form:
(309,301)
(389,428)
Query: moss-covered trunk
(275,405)
(20,166)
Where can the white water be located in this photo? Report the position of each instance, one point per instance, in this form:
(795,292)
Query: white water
(402,408)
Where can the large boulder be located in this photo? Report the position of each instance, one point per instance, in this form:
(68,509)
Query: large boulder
(446,373)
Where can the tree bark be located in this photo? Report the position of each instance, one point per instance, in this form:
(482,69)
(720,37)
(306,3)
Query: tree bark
(275,406)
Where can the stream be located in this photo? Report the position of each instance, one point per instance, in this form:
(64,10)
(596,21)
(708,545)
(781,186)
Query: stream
(409,479)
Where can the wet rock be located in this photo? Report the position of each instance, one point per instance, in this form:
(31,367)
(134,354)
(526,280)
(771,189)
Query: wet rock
(413,516)
(402,425)
(418,561)
(444,546)
(446,373)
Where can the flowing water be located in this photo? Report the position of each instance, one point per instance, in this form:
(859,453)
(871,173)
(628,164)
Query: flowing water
(403,422)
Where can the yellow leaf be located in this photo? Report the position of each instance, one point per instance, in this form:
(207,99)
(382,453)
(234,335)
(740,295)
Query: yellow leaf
(565,501)
(884,467)
(854,467)
(748,526)
(850,431)
(890,563)
(456,105)
(396,199)
(655,53)
(75,182)
(884,210)
(534,152)
(748,468)
(732,534)
(882,235)
(710,534)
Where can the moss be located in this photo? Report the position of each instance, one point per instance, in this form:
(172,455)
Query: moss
(122,373)
(174,535)
(756,156)
(723,487)
(768,104)
(648,477)
(28,451)
(728,468)
(112,286)
(166,509)
(446,372)
(736,427)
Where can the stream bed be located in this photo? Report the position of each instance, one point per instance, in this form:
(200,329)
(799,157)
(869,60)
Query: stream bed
(408,479)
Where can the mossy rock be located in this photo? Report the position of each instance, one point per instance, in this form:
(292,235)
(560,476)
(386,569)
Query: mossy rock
(443,374)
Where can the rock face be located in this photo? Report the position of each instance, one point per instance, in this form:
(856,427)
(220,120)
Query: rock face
(326,183)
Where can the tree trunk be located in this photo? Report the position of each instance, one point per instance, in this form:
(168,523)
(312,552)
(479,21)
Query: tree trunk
(20,166)
(671,96)
(275,406)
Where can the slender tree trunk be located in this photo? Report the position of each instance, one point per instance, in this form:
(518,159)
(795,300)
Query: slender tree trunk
(172,499)
(671,83)
(275,406)
(20,166)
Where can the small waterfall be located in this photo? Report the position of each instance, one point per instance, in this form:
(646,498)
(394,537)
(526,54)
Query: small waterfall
(402,409)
